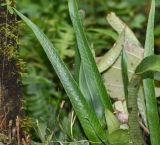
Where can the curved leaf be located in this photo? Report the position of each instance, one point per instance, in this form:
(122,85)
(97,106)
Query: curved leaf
(84,112)
(149,64)
(119,25)
(113,76)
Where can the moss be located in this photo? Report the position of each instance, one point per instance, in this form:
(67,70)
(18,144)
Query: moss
(26,124)
(11,92)
(10,48)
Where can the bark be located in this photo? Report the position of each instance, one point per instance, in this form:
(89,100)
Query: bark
(10,81)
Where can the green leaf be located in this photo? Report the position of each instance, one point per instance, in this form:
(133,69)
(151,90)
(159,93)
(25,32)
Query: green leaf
(112,122)
(10,10)
(87,59)
(3,4)
(40,128)
(84,112)
(105,31)
(149,86)
(124,66)
(77,61)
(37,92)
(149,64)
(87,88)
(119,137)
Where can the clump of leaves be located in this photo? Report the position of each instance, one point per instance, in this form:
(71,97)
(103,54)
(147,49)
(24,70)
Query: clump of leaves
(88,95)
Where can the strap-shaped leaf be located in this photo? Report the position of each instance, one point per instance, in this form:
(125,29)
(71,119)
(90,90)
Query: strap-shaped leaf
(90,94)
(87,59)
(124,66)
(87,117)
(149,86)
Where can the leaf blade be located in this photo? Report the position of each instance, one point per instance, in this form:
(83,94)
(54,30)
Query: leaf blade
(86,115)
(149,64)
(87,58)
(112,55)
(112,123)
(149,86)
(124,66)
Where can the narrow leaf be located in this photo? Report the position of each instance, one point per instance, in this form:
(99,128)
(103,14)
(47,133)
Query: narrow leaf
(84,112)
(77,64)
(90,94)
(124,66)
(149,86)
(87,58)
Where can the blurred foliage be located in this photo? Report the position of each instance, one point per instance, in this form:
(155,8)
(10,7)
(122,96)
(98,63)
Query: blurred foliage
(44,96)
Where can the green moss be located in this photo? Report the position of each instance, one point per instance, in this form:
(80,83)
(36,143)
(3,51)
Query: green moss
(9,34)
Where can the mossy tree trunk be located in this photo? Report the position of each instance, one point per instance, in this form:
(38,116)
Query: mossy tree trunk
(10,82)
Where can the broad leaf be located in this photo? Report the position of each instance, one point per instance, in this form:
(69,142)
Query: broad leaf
(113,76)
(119,25)
(87,117)
(111,56)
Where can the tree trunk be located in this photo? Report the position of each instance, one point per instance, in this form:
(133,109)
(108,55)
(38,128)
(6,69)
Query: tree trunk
(10,81)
